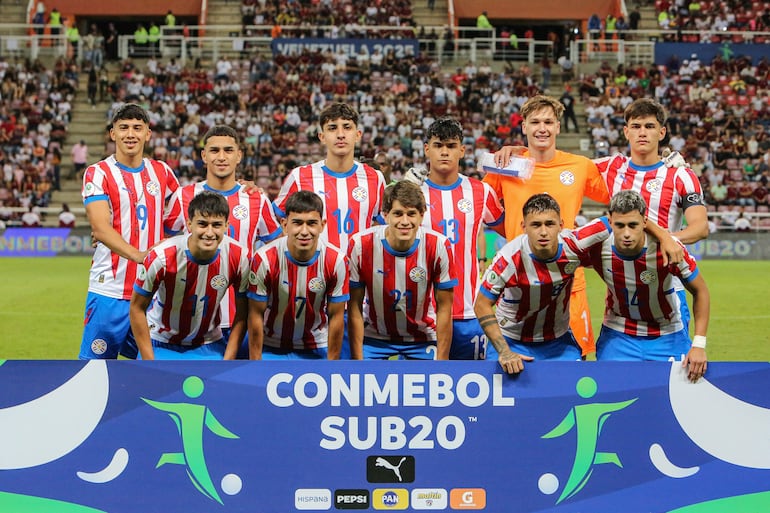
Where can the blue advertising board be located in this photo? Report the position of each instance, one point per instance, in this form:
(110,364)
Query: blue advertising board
(273,437)
(350,46)
(45,242)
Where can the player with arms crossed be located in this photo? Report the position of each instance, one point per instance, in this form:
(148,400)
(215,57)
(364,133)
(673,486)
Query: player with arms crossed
(532,277)
(564,176)
(185,280)
(298,289)
(399,268)
(125,196)
(642,319)
(251,218)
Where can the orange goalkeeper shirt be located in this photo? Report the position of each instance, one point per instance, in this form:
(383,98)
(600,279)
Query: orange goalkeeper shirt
(567,178)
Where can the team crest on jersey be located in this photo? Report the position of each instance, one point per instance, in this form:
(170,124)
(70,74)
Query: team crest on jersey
(240,212)
(567,177)
(654,185)
(359,194)
(570,267)
(141,272)
(316,285)
(219,282)
(418,274)
(89,189)
(152,188)
(252,278)
(98,346)
(464,205)
(647,277)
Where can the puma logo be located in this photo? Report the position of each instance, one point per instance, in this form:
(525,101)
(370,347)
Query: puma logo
(382,462)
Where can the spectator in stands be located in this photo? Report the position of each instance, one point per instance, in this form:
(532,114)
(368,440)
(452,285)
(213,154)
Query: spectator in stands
(66,218)
(79,156)
(30,219)
(568,101)
(742,223)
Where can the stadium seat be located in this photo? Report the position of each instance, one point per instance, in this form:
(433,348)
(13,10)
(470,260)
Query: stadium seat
(731,163)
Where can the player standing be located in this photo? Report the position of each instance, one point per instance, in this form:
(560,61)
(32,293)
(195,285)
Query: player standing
(351,191)
(124,196)
(670,193)
(186,278)
(251,218)
(298,289)
(399,268)
(457,206)
(564,176)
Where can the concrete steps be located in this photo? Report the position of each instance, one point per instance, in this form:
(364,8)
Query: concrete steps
(13,12)
(425,17)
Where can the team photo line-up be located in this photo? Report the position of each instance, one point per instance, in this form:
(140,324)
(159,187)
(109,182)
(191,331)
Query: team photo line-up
(343,264)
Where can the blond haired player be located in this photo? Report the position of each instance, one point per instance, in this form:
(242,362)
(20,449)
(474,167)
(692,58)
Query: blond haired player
(564,176)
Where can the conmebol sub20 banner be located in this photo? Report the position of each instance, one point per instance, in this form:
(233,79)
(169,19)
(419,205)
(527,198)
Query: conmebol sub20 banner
(404,436)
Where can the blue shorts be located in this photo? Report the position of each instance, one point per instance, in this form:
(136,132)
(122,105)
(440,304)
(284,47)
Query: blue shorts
(106,329)
(468,340)
(376,349)
(274,353)
(564,348)
(684,310)
(211,351)
(614,345)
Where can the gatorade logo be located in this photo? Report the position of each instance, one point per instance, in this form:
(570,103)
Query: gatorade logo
(468,498)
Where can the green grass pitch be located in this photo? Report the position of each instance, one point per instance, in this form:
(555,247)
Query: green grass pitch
(42,303)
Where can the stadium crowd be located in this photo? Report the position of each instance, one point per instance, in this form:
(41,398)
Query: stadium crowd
(714,21)
(35,111)
(719,121)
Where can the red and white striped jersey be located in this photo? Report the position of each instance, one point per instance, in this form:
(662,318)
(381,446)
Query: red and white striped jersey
(251,216)
(251,220)
(667,191)
(534,306)
(351,199)
(457,211)
(297,293)
(399,285)
(137,198)
(641,300)
(187,293)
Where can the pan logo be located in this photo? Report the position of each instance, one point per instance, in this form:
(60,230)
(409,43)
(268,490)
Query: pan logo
(393,499)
